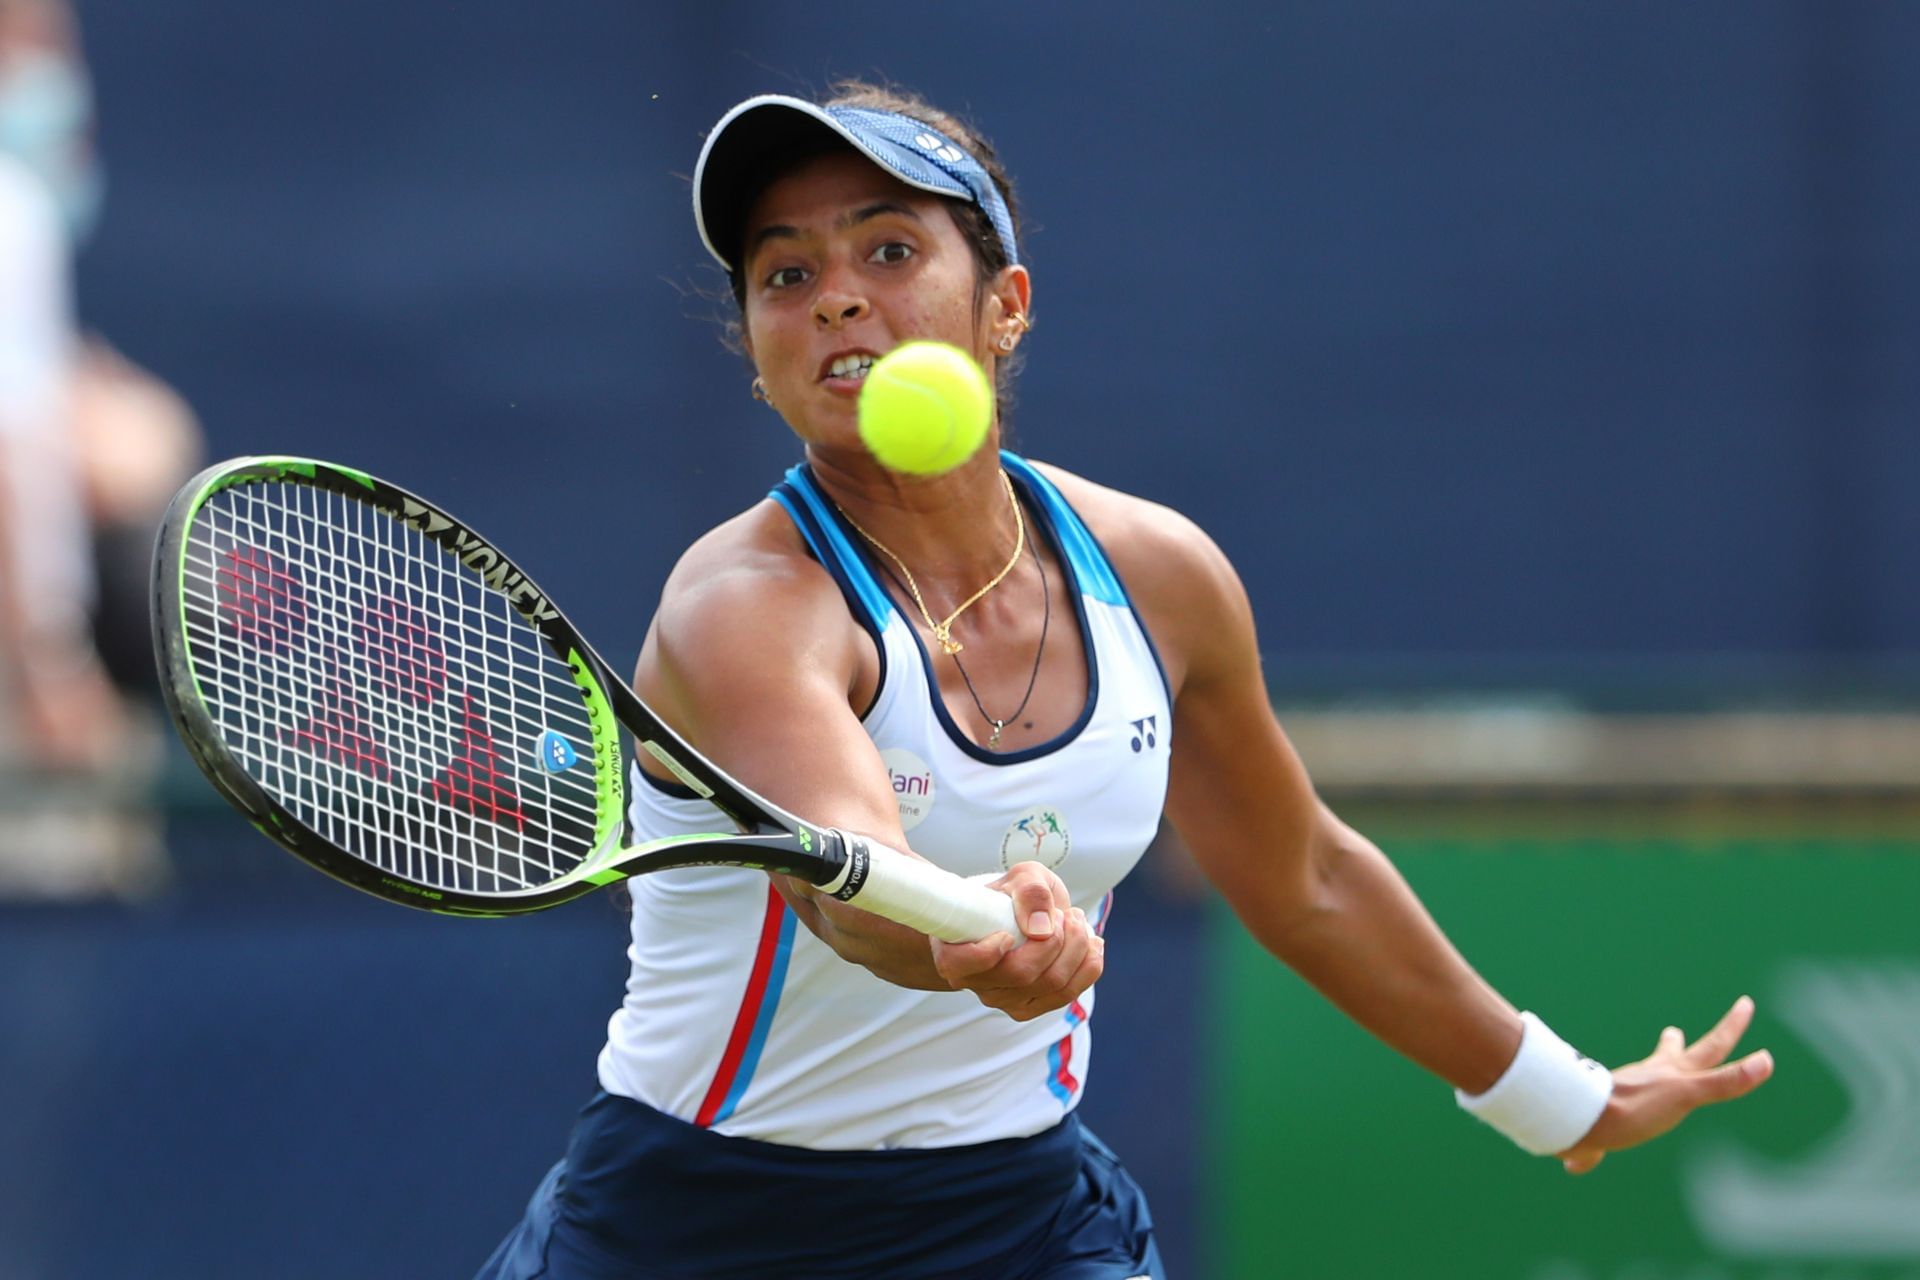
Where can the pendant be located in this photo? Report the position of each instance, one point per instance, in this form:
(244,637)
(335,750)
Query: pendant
(993,742)
(945,637)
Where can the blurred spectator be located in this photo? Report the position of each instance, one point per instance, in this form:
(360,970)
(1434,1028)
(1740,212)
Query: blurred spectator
(137,442)
(90,448)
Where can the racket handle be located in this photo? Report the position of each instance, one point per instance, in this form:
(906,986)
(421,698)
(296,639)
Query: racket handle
(913,892)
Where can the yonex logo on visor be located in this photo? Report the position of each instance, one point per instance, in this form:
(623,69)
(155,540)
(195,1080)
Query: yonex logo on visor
(754,136)
(935,145)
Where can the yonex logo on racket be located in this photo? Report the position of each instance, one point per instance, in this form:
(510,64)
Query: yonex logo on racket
(555,753)
(495,569)
(858,865)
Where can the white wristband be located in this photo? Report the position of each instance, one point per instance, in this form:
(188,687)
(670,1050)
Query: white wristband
(1549,1095)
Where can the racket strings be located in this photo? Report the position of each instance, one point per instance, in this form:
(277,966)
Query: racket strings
(403,654)
(380,692)
(474,779)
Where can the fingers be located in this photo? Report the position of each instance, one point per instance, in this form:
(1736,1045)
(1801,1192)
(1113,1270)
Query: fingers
(959,963)
(1736,1079)
(1039,898)
(1061,956)
(1043,967)
(1080,962)
(1711,1049)
(1653,1095)
(1038,978)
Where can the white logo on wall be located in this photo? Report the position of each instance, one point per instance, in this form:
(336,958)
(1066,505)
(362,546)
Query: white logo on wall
(1857,1195)
(913,787)
(1039,835)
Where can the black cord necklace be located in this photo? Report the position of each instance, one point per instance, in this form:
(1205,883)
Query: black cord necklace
(1046,617)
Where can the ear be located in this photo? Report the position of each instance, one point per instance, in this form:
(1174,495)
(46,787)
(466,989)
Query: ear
(1008,311)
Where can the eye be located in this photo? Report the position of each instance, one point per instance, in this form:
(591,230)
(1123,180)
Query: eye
(891,253)
(786,277)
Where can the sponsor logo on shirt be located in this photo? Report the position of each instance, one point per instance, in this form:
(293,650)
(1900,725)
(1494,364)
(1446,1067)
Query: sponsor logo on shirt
(913,785)
(1039,835)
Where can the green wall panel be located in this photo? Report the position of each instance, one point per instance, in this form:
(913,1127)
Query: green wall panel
(1332,1157)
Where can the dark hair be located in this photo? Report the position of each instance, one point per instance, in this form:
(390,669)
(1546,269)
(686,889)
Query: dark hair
(989,255)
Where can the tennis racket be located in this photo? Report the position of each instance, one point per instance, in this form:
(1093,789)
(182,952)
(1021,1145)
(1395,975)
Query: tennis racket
(388,697)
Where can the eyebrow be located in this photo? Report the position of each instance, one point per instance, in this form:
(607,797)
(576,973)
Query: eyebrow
(865,213)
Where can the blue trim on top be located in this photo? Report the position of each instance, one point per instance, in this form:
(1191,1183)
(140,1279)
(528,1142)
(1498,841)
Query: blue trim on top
(871,595)
(820,541)
(1096,575)
(769,1001)
(1090,546)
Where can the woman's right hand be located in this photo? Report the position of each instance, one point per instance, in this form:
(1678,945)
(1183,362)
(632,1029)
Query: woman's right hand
(1061,957)
(1658,1092)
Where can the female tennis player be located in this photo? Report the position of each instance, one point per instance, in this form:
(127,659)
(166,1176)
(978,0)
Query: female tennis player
(1011,671)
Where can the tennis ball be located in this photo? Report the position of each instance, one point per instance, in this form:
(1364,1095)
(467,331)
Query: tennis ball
(924,408)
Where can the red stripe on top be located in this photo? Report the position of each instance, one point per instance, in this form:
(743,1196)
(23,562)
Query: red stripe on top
(1064,1076)
(749,1011)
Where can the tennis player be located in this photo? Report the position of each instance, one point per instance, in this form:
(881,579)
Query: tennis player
(1011,671)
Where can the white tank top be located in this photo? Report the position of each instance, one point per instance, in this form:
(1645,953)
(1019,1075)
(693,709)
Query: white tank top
(738,1019)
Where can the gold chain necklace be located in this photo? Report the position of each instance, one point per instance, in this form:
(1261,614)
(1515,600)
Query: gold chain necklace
(1033,677)
(943,631)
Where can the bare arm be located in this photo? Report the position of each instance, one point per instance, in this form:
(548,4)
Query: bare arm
(1319,895)
(70,716)
(1310,889)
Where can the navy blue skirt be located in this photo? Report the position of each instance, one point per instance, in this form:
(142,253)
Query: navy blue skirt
(643,1196)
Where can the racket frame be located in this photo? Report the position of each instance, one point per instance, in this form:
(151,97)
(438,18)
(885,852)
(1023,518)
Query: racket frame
(770,838)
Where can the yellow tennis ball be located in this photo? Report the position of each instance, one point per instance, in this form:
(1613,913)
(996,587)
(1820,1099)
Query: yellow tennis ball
(924,408)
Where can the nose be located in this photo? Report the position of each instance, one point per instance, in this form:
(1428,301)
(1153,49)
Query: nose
(836,304)
(834,310)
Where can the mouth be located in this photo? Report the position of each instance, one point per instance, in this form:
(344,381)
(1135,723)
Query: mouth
(848,367)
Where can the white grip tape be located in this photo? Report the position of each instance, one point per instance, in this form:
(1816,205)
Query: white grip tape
(1549,1096)
(920,895)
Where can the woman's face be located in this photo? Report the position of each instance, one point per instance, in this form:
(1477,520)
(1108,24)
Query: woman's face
(843,263)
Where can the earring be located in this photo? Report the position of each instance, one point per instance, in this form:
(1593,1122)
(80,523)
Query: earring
(1007,340)
(760,391)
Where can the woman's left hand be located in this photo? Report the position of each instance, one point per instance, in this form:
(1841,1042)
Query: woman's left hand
(1656,1093)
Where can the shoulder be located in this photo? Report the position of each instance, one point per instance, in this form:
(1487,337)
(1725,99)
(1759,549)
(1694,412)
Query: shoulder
(746,600)
(751,634)
(751,572)
(1137,534)
(1181,583)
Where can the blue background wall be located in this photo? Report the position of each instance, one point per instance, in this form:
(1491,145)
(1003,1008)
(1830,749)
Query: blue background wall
(1477,335)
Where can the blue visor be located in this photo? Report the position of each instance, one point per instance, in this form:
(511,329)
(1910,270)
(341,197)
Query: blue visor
(761,132)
